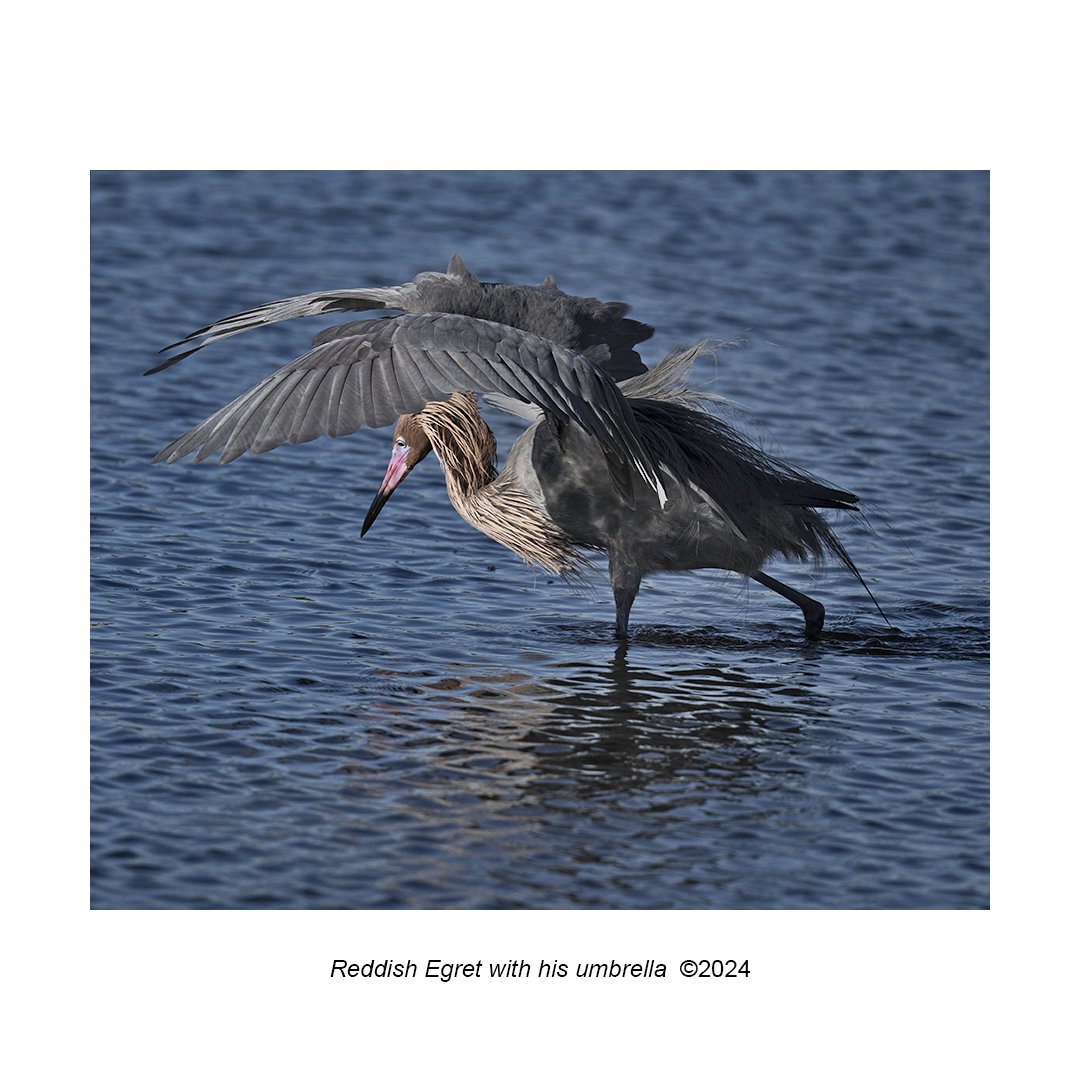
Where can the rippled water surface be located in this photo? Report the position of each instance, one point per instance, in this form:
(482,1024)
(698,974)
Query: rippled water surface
(284,716)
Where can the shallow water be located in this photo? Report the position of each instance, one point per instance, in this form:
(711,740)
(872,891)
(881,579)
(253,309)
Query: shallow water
(283,716)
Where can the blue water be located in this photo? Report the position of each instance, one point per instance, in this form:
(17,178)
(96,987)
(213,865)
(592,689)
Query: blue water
(284,716)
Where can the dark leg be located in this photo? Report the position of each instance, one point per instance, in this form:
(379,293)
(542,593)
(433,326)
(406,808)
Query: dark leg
(624,584)
(812,611)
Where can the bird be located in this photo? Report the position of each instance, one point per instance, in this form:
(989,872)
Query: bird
(619,459)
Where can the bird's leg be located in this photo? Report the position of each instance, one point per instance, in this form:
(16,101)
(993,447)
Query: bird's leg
(813,612)
(624,584)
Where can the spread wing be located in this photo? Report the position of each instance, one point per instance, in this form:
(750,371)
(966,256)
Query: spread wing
(398,298)
(599,331)
(386,367)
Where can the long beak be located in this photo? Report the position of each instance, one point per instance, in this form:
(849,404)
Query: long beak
(395,473)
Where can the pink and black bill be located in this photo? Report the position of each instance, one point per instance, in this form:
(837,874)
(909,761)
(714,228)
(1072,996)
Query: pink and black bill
(396,472)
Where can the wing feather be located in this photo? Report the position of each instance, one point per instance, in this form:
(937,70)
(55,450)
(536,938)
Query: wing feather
(392,366)
(331,424)
(231,419)
(394,297)
(279,413)
(314,383)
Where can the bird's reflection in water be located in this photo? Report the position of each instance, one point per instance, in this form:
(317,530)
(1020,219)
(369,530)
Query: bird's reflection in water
(630,775)
(631,721)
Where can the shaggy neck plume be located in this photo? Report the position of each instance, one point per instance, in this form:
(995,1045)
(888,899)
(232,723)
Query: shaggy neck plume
(495,504)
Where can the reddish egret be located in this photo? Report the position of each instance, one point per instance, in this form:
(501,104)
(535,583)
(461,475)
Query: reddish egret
(619,458)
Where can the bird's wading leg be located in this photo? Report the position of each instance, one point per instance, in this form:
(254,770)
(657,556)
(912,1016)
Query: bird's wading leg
(813,612)
(624,584)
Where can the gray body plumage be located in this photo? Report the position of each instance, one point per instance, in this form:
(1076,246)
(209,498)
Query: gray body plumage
(622,460)
(729,506)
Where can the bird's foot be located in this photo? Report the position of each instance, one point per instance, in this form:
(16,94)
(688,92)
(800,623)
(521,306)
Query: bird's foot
(814,614)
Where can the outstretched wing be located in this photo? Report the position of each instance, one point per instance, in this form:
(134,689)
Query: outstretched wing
(391,366)
(599,331)
(397,298)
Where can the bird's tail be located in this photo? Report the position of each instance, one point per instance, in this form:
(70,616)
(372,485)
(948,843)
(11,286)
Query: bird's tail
(724,463)
(832,542)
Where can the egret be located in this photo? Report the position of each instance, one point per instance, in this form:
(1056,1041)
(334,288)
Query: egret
(619,458)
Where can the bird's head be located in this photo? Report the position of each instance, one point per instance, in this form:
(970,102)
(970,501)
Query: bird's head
(411,446)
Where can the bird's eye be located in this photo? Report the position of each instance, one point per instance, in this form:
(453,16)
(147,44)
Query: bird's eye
(400,443)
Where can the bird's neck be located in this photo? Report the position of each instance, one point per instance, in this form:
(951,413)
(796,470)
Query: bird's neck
(497,506)
(463,443)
